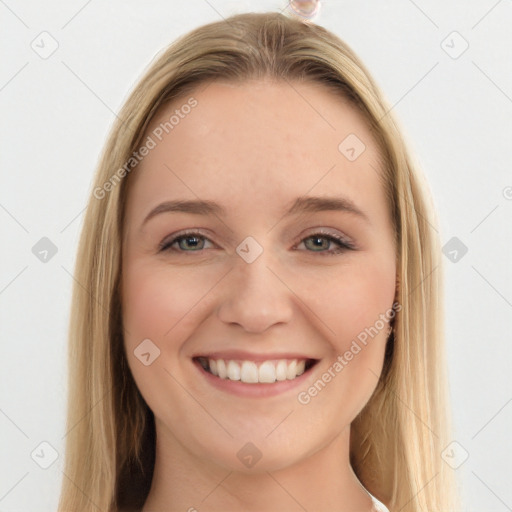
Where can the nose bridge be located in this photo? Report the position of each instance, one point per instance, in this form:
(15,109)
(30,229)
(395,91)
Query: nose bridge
(255,298)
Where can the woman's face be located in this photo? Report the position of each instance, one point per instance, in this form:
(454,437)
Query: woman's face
(259,289)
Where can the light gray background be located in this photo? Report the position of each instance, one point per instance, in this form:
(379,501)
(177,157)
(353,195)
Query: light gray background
(56,112)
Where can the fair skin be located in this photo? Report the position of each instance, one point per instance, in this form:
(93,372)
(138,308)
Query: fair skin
(254,148)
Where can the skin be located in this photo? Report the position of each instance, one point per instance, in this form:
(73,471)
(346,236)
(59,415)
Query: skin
(254,148)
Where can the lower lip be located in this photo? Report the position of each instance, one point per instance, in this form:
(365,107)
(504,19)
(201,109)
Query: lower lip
(256,390)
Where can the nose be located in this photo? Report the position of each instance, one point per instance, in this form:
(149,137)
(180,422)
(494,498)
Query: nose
(256,296)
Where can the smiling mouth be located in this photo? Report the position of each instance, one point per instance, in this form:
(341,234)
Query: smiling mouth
(251,372)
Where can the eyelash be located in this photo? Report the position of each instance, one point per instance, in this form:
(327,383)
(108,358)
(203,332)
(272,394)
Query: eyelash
(343,245)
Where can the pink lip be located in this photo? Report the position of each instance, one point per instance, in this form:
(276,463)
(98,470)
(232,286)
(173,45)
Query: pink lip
(259,390)
(240,355)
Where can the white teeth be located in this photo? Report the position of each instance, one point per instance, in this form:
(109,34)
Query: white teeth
(281,370)
(267,372)
(291,370)
(233,370)
(250,372)
(221,369)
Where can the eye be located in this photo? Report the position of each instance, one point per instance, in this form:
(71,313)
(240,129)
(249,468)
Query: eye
(193,241)
(190,239)
(321,241)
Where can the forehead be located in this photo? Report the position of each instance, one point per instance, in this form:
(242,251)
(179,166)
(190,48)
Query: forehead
(255,145)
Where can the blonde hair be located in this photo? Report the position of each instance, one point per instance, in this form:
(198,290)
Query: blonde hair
(398,438)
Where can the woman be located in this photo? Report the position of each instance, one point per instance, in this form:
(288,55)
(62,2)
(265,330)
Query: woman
(257,323)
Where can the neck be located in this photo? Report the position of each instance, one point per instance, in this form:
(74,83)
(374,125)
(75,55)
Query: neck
(322,481)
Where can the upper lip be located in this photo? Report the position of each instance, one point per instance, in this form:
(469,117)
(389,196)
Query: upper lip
(250,356)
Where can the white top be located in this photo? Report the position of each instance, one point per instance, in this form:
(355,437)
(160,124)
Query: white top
(377,505)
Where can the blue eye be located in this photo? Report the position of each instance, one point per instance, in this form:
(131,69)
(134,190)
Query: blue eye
(195,242)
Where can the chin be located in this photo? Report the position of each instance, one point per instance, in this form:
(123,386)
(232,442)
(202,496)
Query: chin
(258,456)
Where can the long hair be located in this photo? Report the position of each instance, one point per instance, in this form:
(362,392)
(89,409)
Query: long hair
(398,438)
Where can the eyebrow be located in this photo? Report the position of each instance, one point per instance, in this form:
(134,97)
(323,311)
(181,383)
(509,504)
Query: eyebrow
(305,204)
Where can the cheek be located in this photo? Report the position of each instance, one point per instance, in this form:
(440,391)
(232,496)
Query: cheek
(354,309)
(367,300)
(156,304)
(351,298)
(355,312)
